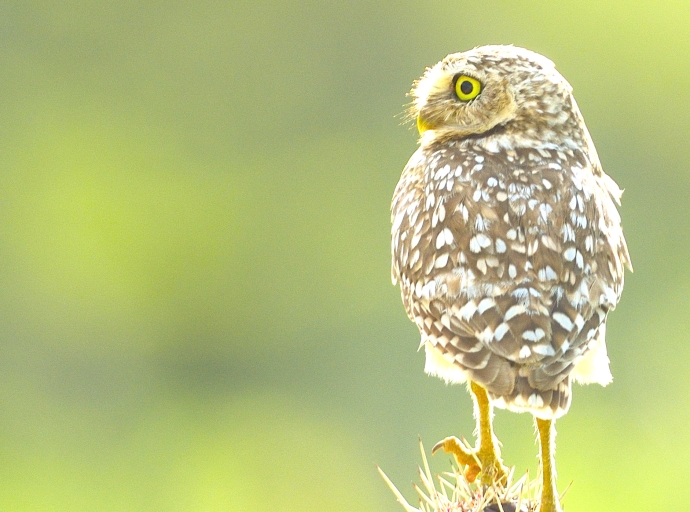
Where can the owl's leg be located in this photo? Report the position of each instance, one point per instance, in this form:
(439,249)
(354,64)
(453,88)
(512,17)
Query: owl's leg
(489,452)
(549,493)
(486,457)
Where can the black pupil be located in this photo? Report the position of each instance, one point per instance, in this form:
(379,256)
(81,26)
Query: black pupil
(466,86)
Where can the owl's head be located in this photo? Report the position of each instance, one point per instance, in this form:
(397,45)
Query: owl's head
(495,88)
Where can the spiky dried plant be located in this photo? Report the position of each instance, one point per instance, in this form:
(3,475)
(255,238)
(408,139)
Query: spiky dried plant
(454,493)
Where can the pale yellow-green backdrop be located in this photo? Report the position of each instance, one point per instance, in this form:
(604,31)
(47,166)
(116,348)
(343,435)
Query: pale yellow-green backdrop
(195,305)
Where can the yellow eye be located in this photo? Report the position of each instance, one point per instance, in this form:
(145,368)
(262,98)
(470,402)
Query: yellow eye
(467,88)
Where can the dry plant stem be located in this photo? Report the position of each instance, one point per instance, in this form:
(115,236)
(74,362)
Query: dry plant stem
(486,458)
(456,494)
(549,494)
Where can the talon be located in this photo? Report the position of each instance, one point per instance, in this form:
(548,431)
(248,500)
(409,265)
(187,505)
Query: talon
(486,457)
(438,446)
(449,445)
(453,445)
(463,456)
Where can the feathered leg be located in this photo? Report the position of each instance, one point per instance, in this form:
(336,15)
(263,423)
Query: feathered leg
(547,446)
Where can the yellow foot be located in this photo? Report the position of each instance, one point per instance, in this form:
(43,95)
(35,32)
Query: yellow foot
(484,461)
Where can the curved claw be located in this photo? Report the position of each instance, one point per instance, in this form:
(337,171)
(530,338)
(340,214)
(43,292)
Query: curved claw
(446,443)
(463,456)
(486,457)
(475,461)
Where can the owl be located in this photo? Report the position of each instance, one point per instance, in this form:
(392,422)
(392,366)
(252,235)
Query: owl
(507,244)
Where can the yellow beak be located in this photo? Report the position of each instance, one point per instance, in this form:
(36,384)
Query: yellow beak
(422,125)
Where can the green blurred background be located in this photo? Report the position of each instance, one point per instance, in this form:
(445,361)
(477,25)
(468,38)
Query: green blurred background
(195,305)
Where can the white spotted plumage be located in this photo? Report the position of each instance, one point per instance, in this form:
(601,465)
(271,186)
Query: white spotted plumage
(506,241)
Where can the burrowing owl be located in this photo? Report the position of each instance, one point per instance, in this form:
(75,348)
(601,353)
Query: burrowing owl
(506,242)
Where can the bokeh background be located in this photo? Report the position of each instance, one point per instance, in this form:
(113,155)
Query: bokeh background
(195,305)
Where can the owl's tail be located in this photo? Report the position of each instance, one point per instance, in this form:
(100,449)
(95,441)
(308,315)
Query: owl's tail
(547,404)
